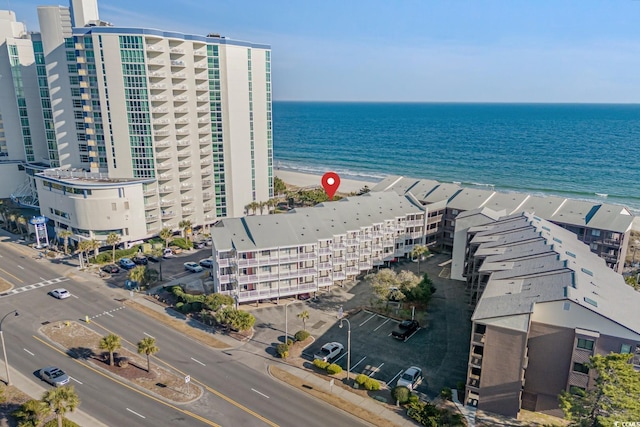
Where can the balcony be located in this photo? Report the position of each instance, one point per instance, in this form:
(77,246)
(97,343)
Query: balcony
(478,338)
(181,110)
(159,110)
(167,215)
(207,195)
(183,120)
(187,199)
(179,87)
(183,143)
(183,131)
(181,98)
(163,155)
(165,176)
(155,47)
(150,217)
(186,185)
(156,62)
(207,183)
(185,174)
(208,206)
(473,382)
(184,163)
(200,64)
(164,165)
(200,52)
(203,88)
(188,209)
(176,50)
(165,202)
(203,98)
(206,161)
(177,63)
(149,191)
(165,189)
(161,132)
(206,171)
(157,74)
(150,205)
(157,86)
(160,121)
(179,75)
(205,151)
(476,360)
(158,98)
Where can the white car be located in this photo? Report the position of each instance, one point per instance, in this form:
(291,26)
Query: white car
(410,378)
(60,293)
(329,351)
(206,263)
(193,267)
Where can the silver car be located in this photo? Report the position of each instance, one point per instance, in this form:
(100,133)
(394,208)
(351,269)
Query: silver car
(54,376)
(411,378)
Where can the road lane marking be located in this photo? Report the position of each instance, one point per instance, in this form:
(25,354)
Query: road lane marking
(336,361)
(75,296)
(372,316)
(150,336)
(115,380)
(397,375)
(376,370)
(197,361)
(381,325)
(75,380)
(359,362)
(108,314)
(261,394)
(20,267)
(195,381)
(42,278)
(134,412)
(409,337)
(32,286)
(28,352)
(15,277)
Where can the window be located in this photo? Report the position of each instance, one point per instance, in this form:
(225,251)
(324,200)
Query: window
(595,233)
(585,344)
(625,349)
(113,207)
(580,367)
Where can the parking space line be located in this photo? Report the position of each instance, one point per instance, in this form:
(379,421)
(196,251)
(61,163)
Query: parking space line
(359,362)
(336,361)
(381,325)
(397,375)
(376,370)
(372,316)
(409,337)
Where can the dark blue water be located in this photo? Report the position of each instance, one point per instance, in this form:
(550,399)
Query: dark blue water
(583,151)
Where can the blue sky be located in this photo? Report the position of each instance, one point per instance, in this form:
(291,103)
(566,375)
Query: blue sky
(417,50)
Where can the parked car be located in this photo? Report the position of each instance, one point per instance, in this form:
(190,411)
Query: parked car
(60,293)
(110,268)
(176,249)
(410,378)
(199,244)
(140,260)
(209,241)
(153,258)
(405,329)
(54,376)
(206,263)
(329,351)
(127,264)
(193,267)
(167,253)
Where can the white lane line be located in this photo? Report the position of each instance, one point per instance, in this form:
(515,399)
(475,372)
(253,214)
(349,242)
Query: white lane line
(108,314)
(75,380)
(372,316)
(28,352)
(134,412)
(261,394)
(75,296)
(409,337)
(336,361)
(376,370)
(381,325)
(20,267)
(197,361)
(397,375)
(43,279)
(150,336)
(359,362)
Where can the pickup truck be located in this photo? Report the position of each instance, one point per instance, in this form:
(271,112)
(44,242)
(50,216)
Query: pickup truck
(405,329)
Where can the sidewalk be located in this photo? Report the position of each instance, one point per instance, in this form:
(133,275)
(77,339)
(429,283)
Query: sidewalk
(364,402)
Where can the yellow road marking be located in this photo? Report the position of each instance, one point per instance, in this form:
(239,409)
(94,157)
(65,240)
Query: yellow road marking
(214,391)
(17,278)
(191,414)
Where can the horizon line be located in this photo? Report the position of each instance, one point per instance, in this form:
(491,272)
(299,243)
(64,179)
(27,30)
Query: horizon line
(459,102)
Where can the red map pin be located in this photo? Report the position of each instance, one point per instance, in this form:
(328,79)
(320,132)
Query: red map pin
(330,183)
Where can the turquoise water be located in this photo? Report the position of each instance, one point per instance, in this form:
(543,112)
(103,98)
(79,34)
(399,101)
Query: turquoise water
(583,151)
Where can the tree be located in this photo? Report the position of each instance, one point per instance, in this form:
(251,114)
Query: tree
(614,396)
(13,217)
(216,301)
(279,187)
(110,343)
(4,211)
(304,316)
(387,284)
(253,206)
(31,413)
(185,226)
(93,245)
(84,246)
(422,292)
(138,274)
(113,239)
(261,206)
(272,203)
(61,400)
(166,234)
(235,319)
(419,251)
(22,225)
(148,347)
(65,234)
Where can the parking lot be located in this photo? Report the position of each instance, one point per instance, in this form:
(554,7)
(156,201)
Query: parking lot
(374,352)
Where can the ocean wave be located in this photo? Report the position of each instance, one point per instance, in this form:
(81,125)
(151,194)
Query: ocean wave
(318,170)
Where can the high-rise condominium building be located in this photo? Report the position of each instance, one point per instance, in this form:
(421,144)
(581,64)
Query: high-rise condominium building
(137,129)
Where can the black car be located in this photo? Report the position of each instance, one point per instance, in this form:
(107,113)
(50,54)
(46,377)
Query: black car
(405,329)
(199,245)
(153,258)
(110,268)
(140,260)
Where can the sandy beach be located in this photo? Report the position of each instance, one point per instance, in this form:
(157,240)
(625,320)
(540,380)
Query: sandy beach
(308,180)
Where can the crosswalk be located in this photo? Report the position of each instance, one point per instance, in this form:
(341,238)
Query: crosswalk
(34,286)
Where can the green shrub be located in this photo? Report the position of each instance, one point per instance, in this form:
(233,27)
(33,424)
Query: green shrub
(181,243)
(283,350)
(372,384)
(361,379)
(401,394)
(301,335)
(413,399)
(179,306)
(320,363)
(65,423)
(333,369)
(446,393)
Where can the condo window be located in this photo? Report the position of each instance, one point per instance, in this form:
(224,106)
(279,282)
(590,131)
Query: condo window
(580,367)
(585,344)
(595,233)
(625,349)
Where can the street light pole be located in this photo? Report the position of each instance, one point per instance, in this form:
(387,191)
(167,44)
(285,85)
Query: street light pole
(286,322)
(4,350)
(340,316)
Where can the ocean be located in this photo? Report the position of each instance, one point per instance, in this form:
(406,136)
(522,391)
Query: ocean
(582,151)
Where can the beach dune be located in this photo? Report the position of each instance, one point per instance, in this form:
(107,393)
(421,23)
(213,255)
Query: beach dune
(308,180)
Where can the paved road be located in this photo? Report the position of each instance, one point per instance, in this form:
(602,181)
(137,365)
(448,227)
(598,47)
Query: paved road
(236,394)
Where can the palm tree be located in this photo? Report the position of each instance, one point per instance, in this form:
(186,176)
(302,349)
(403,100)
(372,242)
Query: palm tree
(148,346)
(4,211)
(419,251)
(247,208)
(254,206)
(166,234)
(94,245)
(31,413)
(84,246)
(158,254)
(304,316)
(22,225)
(113,239)
(261,206)
(272,203)
(110,343)
(61,400)
(13,217)
(65,234)
(185,225)
(137,274)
